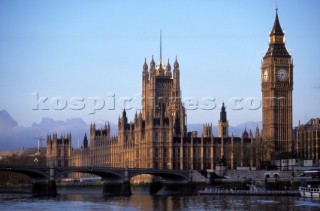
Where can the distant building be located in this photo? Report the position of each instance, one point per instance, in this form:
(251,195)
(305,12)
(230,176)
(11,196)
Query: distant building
(307,136)
(58,150)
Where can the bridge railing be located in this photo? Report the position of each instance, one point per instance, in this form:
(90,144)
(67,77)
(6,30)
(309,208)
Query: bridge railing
(88,167)
(22,166)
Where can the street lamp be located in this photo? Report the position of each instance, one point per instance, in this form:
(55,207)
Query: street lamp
(107,163)
(36,161)
(168,165)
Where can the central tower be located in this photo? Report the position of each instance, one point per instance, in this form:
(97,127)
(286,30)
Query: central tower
(277,86)
(161,95)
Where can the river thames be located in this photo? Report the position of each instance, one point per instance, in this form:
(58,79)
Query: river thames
(90,198)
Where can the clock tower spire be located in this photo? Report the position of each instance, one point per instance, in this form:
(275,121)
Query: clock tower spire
(276,87)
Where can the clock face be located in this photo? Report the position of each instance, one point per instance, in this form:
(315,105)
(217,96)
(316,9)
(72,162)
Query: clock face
(282,74)
(265,76)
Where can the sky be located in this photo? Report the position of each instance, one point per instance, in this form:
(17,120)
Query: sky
(91,50)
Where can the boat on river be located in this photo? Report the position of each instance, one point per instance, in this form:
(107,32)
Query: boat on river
(310,190)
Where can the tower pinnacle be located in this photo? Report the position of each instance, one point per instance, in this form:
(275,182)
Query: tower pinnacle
(276,29)
(145,66)
(160,45)
(223,127)
(277,41)
(223,114)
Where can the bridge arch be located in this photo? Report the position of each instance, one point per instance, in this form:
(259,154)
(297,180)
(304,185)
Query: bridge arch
(33,173)
(103,173)
(166,175)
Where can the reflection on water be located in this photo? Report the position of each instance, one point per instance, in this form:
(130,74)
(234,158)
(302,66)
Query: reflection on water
(90,198)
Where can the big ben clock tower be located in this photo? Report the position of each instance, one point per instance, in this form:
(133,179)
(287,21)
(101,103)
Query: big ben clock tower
(277,86)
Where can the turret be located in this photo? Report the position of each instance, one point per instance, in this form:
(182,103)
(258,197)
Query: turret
(176,71)
(245,134)
(92,131)
(207,130)
(168,70)
(124,118)
(223,114)
(257,134)
(176,80)
(119,122)
(135,120)
(105,126)
(152,67)
(223,126)
(85,141)
(145,73)
(49,141)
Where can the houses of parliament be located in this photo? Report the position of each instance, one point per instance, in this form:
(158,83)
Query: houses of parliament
(158,137)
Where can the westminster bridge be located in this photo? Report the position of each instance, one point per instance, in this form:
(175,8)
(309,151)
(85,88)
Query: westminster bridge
(116,180)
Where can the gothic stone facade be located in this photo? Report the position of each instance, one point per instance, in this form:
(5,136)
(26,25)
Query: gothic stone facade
(58,150)
(307,145)
(158,137)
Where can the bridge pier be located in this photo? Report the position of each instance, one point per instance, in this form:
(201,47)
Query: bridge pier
(172,188)
(43,187)
(117,188)
(155,187)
